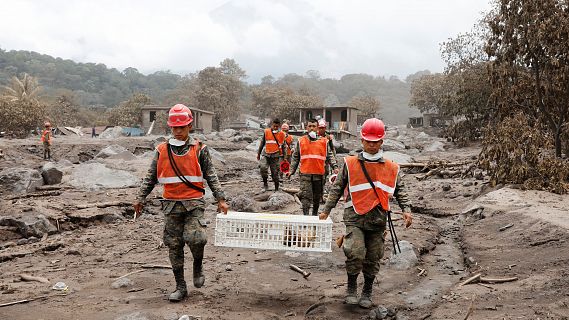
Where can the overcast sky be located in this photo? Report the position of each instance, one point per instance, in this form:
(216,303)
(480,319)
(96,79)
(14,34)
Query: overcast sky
(396,37)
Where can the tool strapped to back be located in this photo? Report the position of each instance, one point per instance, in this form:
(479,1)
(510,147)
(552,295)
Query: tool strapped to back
(178,172)
(388,212)
(281,146)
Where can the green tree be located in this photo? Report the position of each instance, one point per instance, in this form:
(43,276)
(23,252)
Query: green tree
(129,113)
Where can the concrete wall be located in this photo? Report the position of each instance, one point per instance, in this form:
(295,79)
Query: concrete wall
(202,121)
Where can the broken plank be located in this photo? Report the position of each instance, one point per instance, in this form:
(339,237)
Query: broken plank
(155,266)
(36,195)
(471,279)
(497,280)
(27,277)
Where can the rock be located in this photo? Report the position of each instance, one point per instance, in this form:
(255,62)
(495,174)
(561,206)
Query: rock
(64,163)
(406,259)
(216,154)
(20,180)
(121,283)
(228,267)
(254,146)
(115,152)
(22,242)
(446,187)
(211,136)
(435,146)
(243,203)
(378,313)
(29,225)
(94,176)
(467,183)
(134,316)
(50,174)
(278,200)
(392,145)
(111,133)
(478,174)
(187,317)
(397,157)
(227,133)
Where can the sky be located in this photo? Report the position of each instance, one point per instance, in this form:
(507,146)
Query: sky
(334,37)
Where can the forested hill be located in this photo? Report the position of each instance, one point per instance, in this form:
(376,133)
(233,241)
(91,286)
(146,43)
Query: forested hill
(95,84)
(92,83)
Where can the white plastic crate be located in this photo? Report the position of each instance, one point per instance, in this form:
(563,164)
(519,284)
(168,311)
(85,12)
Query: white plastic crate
(273,231)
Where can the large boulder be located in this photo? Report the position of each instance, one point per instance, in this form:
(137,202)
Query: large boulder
(243,203)
(111,133)
(227,133)
(20,180)
(405,260)
(29,225)
(435,146)
(278,200)
(51,174)
(95,176)
(110,151)
(392,145)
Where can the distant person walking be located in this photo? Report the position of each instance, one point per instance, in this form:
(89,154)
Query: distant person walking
(270,153)
(46,140)
(93,132)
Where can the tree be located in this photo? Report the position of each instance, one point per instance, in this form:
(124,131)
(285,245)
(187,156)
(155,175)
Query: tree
(20,109)
(367,105)
(530,64)
(129,113)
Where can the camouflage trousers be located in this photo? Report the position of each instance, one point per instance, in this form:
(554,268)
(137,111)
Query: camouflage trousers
(364,242)
(310,192)
(182,227)
(271,163)
(46,150)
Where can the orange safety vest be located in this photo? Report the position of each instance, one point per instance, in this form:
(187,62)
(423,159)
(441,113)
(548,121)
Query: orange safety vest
(288,140)
(46,136)
(189,165)
(272,145)
(383,176)
(312,155)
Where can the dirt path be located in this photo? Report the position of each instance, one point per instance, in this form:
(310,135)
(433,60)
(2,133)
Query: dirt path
(455,232)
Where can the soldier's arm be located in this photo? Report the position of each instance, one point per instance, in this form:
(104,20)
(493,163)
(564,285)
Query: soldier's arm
(337,189)
(331,158)
(210,175)
(149,181)
(401,195)
(261,145)
(295,158)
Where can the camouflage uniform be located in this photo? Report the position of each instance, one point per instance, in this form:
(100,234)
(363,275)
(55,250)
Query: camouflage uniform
(363,243)
(310,184)
(269,161)
(46,141)
(184,220)
(328,166)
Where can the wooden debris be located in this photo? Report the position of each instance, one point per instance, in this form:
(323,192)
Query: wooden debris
(497,280)
(471,279)
(299,270)
(470,308)
(262,259)
(312,307)
(508,226)
(26,277)
(130,273)
(21,301)
(104,205)
(485,286)
(135,290)
(51,188)
(155,266)
(230,182)
(292,191)
(422,272)
(540,242)
(36,195)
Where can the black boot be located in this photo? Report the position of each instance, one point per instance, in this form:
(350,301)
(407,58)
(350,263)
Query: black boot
(305,210)
(181,289)
(277,185)
(265,184)
(199,277)
(315,207)
(352,290)
(365,300)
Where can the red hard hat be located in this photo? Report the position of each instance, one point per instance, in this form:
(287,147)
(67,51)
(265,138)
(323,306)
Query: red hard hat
(373,130)
(179,116)
(285,166)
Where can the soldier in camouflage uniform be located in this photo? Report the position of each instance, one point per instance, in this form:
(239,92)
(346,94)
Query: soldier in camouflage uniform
(271,152)
(183,205)
(46,136)
(364,242)
(311,182)
(322,125)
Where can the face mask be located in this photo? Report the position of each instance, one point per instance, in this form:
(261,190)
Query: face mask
(276,131)
(176,142)
(373,157)
(312,134)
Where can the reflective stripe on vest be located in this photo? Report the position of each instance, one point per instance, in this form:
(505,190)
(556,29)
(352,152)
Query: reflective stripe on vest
(383,176)
(312,155)
(188,163)
(272,145)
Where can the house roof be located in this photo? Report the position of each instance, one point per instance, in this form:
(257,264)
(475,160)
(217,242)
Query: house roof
(159,107)
(329,107)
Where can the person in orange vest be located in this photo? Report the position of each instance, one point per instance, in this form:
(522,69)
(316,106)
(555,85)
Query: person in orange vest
(181,165)
(366,207)
(322,125)
(271,153)
(289,139)
(46,136)
(311,153)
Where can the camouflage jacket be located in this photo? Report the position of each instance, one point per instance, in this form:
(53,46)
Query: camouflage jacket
(208,172)
(261,150)
(330,158)
(342,181)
